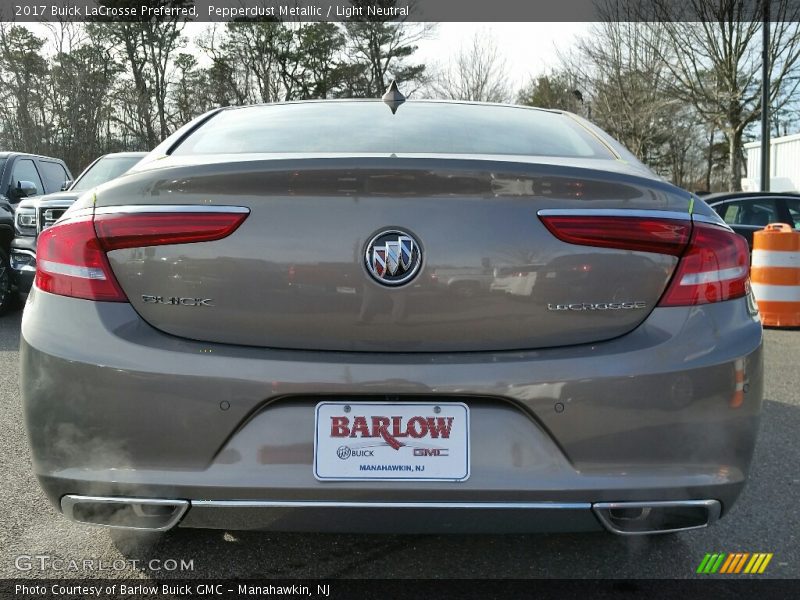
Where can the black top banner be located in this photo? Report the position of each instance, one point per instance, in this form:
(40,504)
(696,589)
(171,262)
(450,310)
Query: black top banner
(404,10)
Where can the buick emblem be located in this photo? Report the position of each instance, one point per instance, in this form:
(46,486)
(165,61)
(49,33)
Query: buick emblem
(393,257)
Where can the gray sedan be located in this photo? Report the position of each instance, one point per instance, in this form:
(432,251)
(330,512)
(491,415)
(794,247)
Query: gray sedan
(250,330)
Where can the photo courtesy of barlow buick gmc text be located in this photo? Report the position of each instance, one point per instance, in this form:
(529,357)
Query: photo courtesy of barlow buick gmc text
(353,297)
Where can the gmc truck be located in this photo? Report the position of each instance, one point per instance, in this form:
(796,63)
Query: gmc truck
(21,176)
(35,214)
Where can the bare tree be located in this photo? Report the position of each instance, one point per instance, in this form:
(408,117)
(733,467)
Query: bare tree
(77,79)
(616,77)
(621,63)
(715,60)
(257,45)
(147,48)
(85,89)
(22,69)
(65,35)
(229,79)
(478,72)
(381,48)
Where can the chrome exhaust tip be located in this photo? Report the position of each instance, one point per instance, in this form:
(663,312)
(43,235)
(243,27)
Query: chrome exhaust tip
(646,518)
(141,514)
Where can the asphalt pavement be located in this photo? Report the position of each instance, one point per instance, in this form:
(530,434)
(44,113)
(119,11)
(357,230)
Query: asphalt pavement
(765,519)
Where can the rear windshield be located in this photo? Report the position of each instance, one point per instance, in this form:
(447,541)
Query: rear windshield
(370,127)
(104,170)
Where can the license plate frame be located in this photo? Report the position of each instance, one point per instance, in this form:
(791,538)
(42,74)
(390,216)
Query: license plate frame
(432,435)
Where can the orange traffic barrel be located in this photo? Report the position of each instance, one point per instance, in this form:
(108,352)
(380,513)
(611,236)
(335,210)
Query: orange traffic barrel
(775,275)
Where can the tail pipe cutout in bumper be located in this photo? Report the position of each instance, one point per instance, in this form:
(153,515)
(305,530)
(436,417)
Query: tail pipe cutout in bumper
(642,518)
(621,518)
(124,513)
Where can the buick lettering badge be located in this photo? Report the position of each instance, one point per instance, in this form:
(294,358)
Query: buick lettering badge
(393,257)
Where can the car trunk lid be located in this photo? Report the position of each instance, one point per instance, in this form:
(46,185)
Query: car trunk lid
(295,274)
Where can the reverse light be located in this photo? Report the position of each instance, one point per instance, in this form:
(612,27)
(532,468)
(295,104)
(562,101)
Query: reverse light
(715,267)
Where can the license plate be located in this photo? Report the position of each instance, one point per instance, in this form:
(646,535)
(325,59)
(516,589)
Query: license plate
(384,441)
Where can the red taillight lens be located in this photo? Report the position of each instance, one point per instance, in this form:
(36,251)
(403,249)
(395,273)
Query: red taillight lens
(71,256)
(714,264)
(70,262)
(715,267)
(136,230)
(663,236)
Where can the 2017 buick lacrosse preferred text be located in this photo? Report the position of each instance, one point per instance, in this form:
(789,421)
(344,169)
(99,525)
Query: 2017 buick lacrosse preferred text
(389,315)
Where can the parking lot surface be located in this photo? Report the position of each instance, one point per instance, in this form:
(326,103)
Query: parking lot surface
(765,519)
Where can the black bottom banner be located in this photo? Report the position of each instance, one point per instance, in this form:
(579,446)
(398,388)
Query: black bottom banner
(400,589)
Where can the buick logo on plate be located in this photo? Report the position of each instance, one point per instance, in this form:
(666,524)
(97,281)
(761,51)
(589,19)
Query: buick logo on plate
(393,257)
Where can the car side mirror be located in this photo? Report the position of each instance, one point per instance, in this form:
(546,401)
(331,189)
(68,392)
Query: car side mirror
(25,189)
(66,185)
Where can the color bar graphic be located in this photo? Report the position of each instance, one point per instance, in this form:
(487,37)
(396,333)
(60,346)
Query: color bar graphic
(734,563)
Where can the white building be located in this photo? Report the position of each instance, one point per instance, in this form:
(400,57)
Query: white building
(784,165)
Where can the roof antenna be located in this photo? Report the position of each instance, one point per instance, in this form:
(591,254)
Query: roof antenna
(393,98)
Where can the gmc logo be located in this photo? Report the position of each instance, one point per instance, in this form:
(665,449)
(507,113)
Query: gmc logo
(431,452)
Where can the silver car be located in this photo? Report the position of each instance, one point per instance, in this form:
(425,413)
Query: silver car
(247,331)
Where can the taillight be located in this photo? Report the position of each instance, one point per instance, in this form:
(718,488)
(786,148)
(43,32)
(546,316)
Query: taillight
(715,267)
(714,262)
(136,230)
(71,256)
(641,234)
(70,262)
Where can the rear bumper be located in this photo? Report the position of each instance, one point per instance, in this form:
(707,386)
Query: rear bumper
(116,408)
(390,517)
